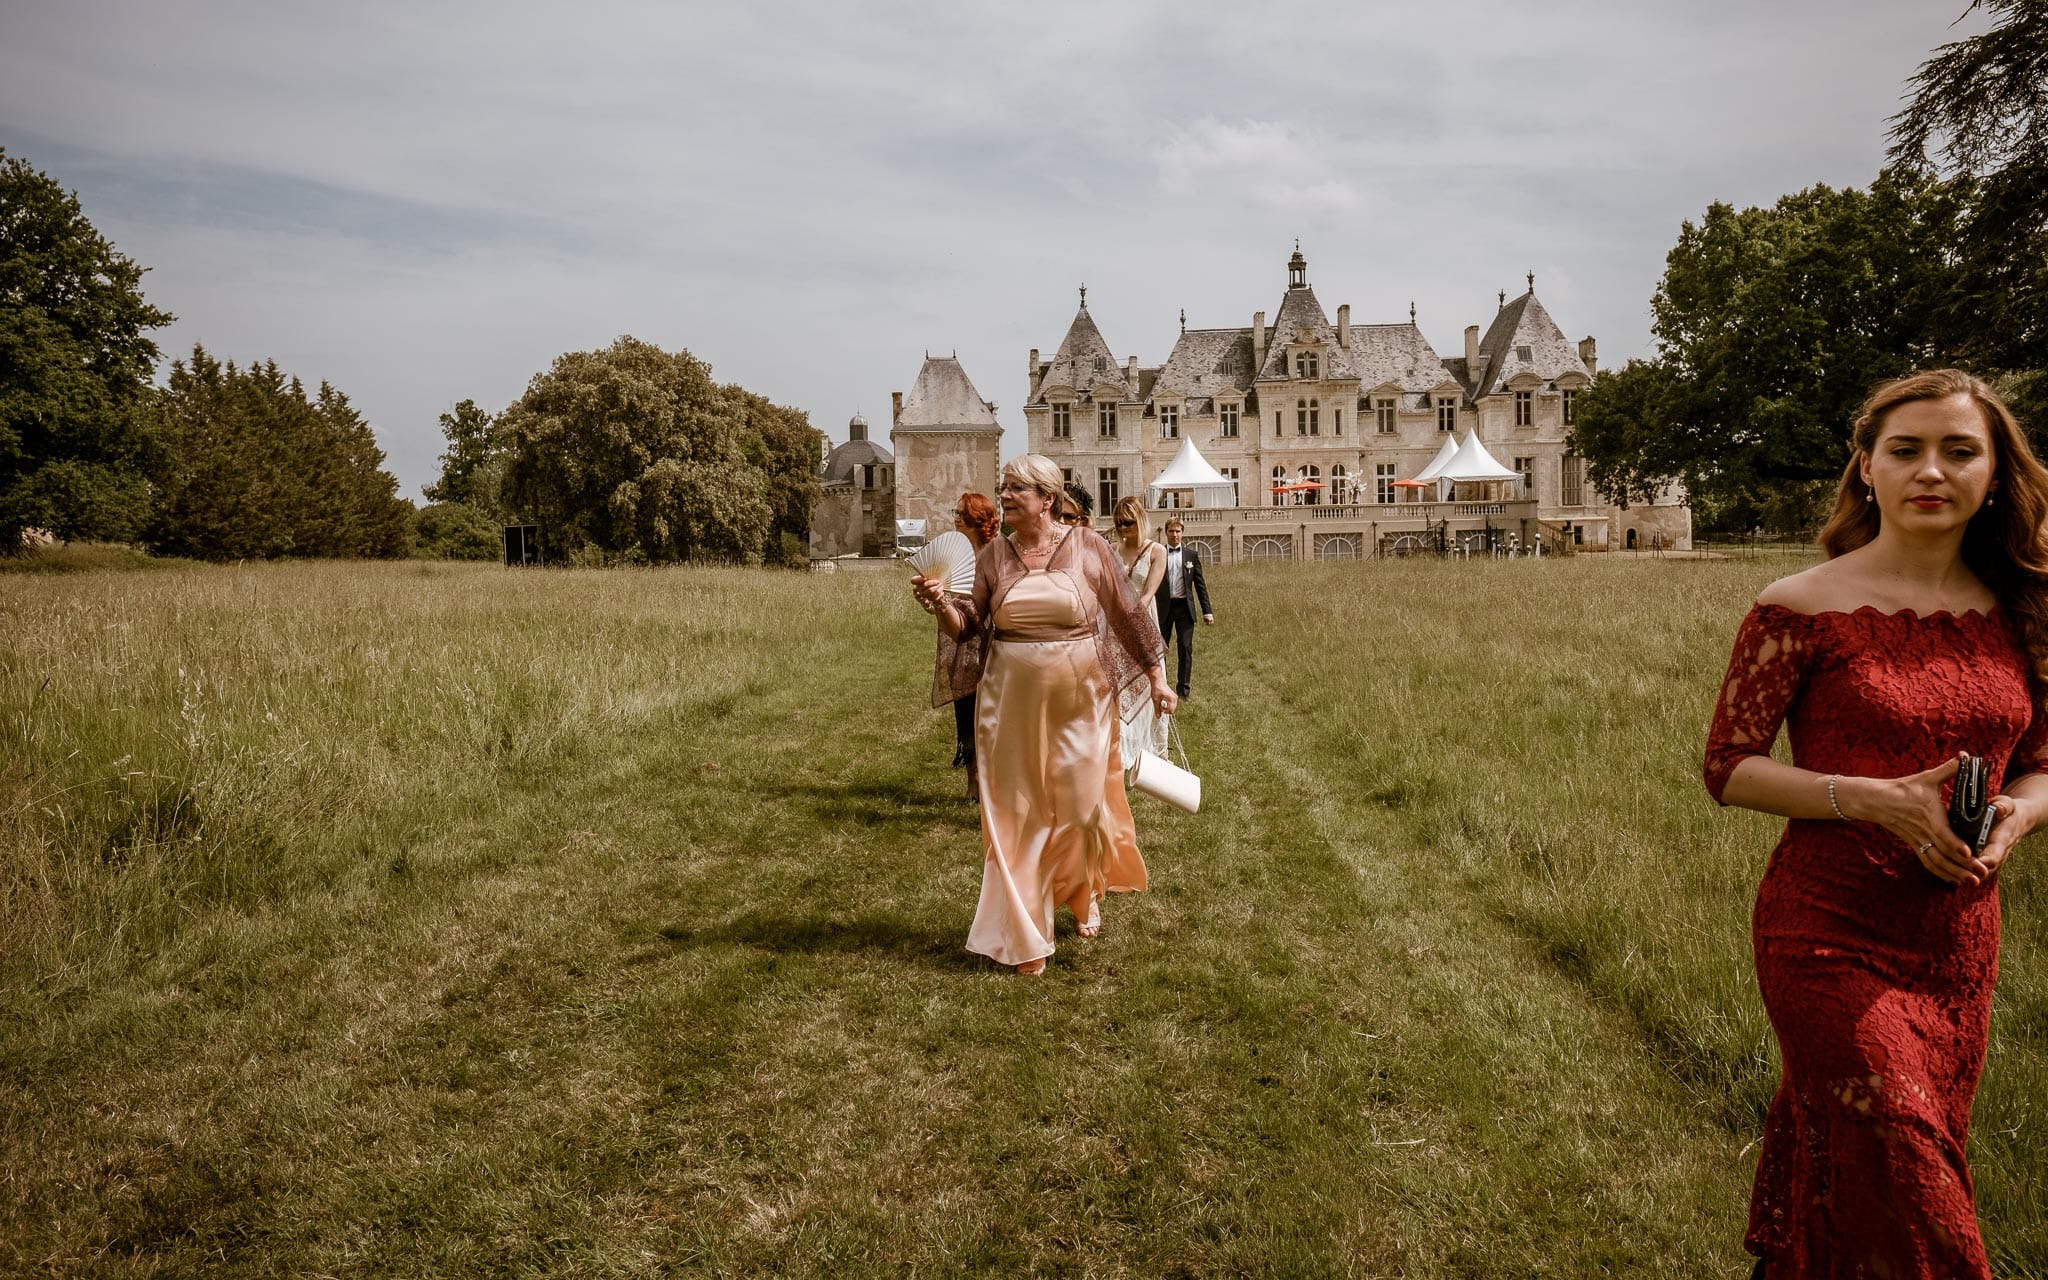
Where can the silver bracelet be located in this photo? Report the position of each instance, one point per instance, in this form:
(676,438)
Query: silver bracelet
(1833,803)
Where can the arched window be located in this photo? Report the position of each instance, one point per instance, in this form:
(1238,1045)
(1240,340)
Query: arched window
(1339,484)
(1279,478)
(1309,497)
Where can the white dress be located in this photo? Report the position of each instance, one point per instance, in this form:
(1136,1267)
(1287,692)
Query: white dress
(1144,730)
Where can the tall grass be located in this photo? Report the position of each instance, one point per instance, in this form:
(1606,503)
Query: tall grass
(436,918)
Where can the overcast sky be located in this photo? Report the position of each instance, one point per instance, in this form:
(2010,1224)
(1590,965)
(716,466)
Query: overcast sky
(425,202)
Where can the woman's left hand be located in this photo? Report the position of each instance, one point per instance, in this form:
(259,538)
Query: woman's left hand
(1164,700)
(2016,817)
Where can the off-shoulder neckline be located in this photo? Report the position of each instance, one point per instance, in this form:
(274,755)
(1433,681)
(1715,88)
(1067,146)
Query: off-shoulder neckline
(1875,612)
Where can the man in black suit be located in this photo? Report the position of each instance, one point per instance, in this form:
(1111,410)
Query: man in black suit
(1178,591)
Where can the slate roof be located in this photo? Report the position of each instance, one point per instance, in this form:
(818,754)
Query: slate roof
(1396,353)
(854,453)
(1301,315)
(945,399)
(1205,362)
(1522,323)
(1073,365)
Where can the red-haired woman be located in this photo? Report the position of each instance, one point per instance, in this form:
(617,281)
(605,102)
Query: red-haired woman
(1923,635)
(974,515)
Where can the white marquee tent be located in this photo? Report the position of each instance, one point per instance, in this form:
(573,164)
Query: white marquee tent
(1190,473)
(1443,457)
(1473,462)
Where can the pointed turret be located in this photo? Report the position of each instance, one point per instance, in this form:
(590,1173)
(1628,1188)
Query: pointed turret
(1084,361)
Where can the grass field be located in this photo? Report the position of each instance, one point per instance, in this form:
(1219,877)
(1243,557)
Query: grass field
(436,920)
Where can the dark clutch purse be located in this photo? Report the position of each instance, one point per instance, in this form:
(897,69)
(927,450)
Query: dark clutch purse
(1970,813)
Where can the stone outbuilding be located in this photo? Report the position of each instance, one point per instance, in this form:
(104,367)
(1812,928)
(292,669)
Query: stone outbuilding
(947,442)
(856,511)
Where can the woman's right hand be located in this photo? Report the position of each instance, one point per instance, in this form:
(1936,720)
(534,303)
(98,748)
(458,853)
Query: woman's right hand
(1912,809)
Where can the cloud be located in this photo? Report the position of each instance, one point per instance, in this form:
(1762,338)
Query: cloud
(1272,163)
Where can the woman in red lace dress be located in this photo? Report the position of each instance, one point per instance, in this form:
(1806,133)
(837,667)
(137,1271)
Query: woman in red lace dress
(1922,635)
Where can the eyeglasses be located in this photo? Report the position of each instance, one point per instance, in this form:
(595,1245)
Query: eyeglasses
(1070,517)
(1126,524)
(959,515)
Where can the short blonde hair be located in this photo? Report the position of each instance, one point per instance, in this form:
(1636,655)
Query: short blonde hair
(1174,522)
(1128,507)
(1038,471)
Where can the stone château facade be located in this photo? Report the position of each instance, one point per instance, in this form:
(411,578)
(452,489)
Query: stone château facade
(1352,409)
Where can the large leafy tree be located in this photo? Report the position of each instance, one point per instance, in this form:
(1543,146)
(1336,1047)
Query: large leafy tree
(257,469)
(789,452)
(1978,114)
(634,452)
(1772,325)
(75,363)
(472,467)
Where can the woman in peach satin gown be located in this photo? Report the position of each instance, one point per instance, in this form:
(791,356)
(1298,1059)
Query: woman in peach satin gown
(1063,644)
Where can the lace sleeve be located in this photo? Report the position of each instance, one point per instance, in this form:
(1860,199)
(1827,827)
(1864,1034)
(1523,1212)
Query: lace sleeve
(2027,757)
(1127,636)
(1773,651)
(957,671)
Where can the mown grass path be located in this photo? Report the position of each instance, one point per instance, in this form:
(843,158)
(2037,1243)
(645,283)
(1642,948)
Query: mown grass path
(436,921)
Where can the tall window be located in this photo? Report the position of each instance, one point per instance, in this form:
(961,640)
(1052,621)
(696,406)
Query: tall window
(1311,474)
(1336,422)
(1305,364)
(1339,482)
(1384,409)
(1066,475)
(1572,484)
(1063,422)
(1169,421)
(1276,423)
(1383,483)
(1570,397)
(1105,422)
(1105,489)
(1525,408)
(1446,414)
(1301,417)
(1279,478)
(1226,420)
(1315,415)
(1527,466)
(1230,474)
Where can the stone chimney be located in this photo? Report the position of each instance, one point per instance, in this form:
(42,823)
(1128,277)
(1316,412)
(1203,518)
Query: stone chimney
(1589,354)
(895,408)
(1344,326)
(1472,352)
(1131,378)
(1031,376)
(1258,342)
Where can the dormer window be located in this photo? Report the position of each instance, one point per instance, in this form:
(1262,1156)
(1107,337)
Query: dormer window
(1305,365)
(1169,421)
(1525,408)
(1102,364)
(1523,354)
(1446,414)
(1569,397)
(1226,420)
(1383,411)
(1105,421)
(1062,422)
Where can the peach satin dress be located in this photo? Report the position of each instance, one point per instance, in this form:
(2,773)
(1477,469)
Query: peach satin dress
(1056,824)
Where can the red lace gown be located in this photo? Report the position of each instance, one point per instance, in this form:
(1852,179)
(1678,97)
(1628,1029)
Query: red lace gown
(1877,976)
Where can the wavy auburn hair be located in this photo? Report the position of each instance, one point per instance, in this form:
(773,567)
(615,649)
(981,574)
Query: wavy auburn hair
(980,514)
(2004,543)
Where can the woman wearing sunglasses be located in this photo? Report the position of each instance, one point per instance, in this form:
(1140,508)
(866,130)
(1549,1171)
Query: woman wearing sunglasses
(1144,563)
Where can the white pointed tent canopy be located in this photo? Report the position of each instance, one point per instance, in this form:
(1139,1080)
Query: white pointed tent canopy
(1190,473)
(1436,466)
(1473,462)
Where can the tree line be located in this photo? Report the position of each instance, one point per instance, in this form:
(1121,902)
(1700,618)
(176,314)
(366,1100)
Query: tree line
(626,455)
(1772,324)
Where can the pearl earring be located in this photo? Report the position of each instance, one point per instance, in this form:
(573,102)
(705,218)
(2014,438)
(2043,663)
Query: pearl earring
(1870,495)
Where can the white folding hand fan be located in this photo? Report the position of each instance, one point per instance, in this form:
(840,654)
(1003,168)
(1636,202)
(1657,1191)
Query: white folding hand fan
(949,558)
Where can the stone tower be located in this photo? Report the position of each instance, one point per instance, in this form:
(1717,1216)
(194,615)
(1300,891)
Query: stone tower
(947,443)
